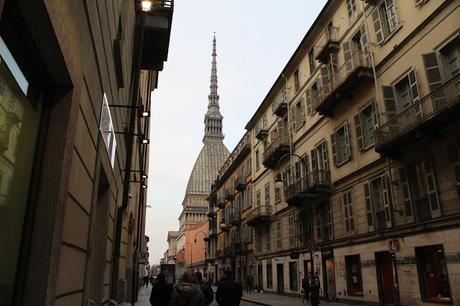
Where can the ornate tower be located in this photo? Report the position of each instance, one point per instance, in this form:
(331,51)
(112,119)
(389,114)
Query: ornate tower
(213,118)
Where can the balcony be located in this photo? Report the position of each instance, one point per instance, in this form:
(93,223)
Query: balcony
(308,188)
(429,114)
(240,183)
(156,35)
(235,219)
(261,132)
(220,202)
(259,215)
(328,43)
(278,147)
(229,194)
(347,78)
(280,106)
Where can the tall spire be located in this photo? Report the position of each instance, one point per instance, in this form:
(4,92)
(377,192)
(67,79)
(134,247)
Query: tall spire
(213,117)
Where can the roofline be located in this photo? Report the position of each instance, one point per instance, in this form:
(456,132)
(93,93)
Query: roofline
(252,122)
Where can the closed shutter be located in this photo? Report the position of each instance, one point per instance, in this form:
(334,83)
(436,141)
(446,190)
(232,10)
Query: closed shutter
(325,80)
(348,142)
(301,116)
(325,156)
(378,25)
(334,149)
(390,102)
(293,117)
(432,189)
(348,49)
(413,85)
(406,195)
(364,41)
(433,71)
(392,15)
(369,208)
(387,201)
(309,101)
(359,132)
(314,168)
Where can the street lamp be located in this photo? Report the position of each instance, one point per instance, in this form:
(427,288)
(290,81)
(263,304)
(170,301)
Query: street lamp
(146,5)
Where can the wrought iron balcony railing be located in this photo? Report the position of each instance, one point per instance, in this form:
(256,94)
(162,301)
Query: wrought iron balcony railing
(280,106)
(261,214)
(261,131)
(438,104)
(327,43)
(308,188)
(278,147)
(240,182)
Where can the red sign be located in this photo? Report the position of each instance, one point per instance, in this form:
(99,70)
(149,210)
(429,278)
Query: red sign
(394,246)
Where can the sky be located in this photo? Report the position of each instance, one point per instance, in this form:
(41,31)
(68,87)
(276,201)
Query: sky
(255,40)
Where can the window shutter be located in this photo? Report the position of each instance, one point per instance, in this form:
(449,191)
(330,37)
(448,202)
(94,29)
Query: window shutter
(348,48)
(309,102)
(347,139)
(293,117)
(325,80)
(314,168)
(378,26)
(387,201)
(334,149)
(325,156)
(431,188)
(392,15)
(433,71)
(390,102)
(406,195)
(364,41)
(369,208)
(302,111)
(359,132)
(413,85)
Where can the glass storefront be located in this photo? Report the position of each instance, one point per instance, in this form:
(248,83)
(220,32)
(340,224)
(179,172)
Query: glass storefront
(19,123)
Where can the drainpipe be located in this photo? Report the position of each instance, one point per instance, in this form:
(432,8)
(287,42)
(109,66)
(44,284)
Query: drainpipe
(139,38)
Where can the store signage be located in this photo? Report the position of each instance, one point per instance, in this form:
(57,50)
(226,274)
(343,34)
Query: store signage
(107,130)
(394,246)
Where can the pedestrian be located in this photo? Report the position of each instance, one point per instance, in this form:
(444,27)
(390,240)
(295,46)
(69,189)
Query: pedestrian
(249,281)
(314,289)
(306,289)
(187,292)
(205,288)
(146,280)
(229,292)
(161,291)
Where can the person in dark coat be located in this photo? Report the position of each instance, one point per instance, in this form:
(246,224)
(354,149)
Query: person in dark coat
(161,291)
(187,292)
(306,289)
(146,280)
(205,288)
(229,292)
(314,287)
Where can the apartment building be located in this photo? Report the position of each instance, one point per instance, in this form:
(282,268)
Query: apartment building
(355,156)
(230,240)
(76,79)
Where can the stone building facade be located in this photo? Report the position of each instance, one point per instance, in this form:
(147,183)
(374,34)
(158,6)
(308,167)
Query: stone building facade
(76,83)
(355,154)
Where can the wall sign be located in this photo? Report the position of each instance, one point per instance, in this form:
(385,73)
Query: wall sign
(107,130)
(394,246)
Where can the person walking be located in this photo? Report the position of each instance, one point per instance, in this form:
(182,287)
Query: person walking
(314,287)
(161,291)
(205,288)
(249,281)
(187,292)
(229,292)
(306,289)
(146,280)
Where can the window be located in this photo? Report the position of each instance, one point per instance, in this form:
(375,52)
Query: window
(301,168)
(348,211)
(451,58)
(419,190)
(278,235)
(293,276)
(257,160)
(287,177)
(352,10)
(277,195)
(267,238)
(267,194)
(340,142)
(354,278)
(454,156)
(377,197)
(311,60)
(420,2)
(291,231)
(365,123)
(258,198)
(432,273)
(296,80)
(297,115)
(269,275)
(319,157)
(385,20)
(401,95)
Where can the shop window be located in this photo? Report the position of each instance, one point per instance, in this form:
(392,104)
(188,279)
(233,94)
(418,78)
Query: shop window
(340,142)
(354,277)
(366,123)
(432,274)
(293,276)
(269,276)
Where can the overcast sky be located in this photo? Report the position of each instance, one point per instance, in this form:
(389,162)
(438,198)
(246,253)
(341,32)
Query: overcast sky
(255,39)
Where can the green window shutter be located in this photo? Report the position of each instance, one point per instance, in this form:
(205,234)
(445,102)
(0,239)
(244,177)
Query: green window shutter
(387,201)
(431,187)
(378,26)
(334,150)
(348,141)
(390,101)
(432,69)
(413,85)
(406,194)
(359,131)
(369,208)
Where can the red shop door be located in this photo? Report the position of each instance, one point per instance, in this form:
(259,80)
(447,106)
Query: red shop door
(384,262)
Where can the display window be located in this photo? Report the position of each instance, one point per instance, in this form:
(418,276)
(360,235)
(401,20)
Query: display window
(354,277)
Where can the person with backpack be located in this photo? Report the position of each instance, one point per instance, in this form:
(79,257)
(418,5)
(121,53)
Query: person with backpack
(187,292)
(205,288)
(161,291)
(229,292)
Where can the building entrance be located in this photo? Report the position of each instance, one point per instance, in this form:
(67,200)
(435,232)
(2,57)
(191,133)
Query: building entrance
(386,270)
(280,278)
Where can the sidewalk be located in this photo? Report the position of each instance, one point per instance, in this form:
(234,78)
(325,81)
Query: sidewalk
(280,300)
